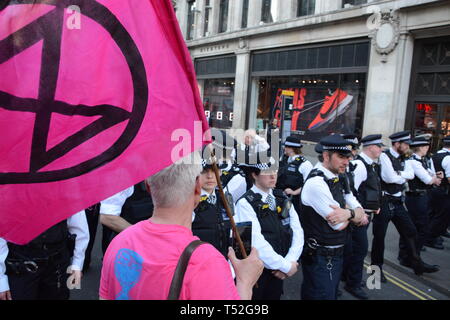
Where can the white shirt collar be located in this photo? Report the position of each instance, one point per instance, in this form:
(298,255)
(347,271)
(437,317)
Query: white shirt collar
(264,195)
(366,158)
(205,193)
(415,155)
(444,150)
(327,172)
(394,153)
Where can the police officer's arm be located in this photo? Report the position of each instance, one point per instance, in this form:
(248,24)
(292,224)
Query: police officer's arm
(446,167)
(360,173)
(317,195)
(4,286)
(421,173)
(271,259)
(388,173)
(298,241)
(110,211)
(77,224)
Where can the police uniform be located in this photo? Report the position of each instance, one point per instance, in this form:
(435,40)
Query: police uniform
(211,222)
(276,234)
(394,175)
(92,218)
(113,206)
(39,269)
(293,170)
(417,197)
(367,189)
(440,198)
(322,257)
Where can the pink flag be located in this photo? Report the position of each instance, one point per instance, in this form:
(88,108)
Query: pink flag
(90,94)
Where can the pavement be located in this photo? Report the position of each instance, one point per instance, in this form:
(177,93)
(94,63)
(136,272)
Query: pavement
(402,283)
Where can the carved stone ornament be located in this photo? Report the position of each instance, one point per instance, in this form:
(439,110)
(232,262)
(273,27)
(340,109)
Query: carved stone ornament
(386,35)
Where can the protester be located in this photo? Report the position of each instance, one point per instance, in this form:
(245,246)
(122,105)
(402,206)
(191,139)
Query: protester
(132,269)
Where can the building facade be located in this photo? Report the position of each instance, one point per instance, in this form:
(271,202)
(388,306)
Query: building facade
(322,66)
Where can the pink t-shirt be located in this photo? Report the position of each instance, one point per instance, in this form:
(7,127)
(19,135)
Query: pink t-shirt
(140,262)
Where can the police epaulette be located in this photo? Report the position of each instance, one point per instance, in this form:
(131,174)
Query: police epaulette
(251,197)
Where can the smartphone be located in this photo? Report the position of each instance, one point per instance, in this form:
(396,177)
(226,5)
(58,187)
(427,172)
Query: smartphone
(245,231)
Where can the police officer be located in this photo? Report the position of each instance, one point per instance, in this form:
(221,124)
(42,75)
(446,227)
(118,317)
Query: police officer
(293,171)
(231,176)
(325,220)
(276,230)
(440,197)
(394,174)
(367,189)
(40,269)
(417,197)
(210,220)
(124,209)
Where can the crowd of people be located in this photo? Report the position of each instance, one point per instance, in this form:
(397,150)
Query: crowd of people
(312,218)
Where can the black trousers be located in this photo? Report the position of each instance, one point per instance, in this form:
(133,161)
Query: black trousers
(355,251)
(440,213)
(419,210)
(269,287)
(92,217)
(393,210)
(49,282)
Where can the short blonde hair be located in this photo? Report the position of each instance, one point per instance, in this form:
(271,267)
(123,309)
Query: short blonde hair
(172,186)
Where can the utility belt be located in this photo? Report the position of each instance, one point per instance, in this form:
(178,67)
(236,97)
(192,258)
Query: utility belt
(389,198)
(20,264)
(312,248)
(417,193)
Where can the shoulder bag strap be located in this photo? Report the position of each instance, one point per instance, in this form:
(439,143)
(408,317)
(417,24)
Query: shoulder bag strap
(177,280)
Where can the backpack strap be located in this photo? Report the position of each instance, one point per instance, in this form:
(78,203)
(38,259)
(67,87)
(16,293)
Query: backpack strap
(178,277)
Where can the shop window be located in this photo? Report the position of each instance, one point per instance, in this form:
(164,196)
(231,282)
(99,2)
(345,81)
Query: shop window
(218,100)
(223,16)
(314,106)
(305,7)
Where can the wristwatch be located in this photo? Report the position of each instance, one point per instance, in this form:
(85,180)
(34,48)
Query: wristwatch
(352,213)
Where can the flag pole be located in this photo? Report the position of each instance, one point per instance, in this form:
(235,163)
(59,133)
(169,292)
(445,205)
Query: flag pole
(228,209)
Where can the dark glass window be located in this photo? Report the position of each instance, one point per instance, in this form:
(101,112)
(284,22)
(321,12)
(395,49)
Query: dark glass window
(191,20)
(223,16)
(218,101)
(305,7)
(353,2)
(244,21)
(207,17)
(266,14)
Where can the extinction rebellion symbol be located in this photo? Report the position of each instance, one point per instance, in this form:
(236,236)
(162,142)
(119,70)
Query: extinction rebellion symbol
(49,28)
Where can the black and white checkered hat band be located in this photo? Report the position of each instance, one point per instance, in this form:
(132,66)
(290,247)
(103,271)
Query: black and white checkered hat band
(293,144)
(343,148)
(369,143)
(406,138)
(355,141)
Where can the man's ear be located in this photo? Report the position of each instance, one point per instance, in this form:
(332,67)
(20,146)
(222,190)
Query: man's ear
(147,187)
(198,187)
